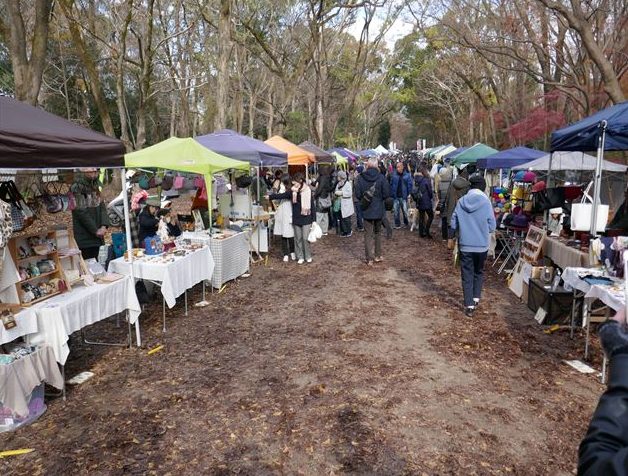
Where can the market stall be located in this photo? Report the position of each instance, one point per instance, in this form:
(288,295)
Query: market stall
(40,272)
(473,153)
(260,155)
(320,155)
(296,155)
(187,155)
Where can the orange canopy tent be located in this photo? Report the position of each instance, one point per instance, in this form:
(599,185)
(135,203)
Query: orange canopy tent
(296,155)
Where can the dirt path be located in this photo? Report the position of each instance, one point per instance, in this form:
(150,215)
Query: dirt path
(326,368)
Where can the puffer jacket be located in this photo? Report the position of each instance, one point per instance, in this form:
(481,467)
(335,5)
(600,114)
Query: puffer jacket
(443,181)
(458,188)
(604,449)
(365,181)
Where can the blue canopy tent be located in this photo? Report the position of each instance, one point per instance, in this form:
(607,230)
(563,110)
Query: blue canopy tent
(452,155)
(367,153)
(585,135)
(605,130)
(240,147)
(507,159)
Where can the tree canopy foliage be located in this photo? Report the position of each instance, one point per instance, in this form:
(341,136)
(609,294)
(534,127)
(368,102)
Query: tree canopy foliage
(500,72)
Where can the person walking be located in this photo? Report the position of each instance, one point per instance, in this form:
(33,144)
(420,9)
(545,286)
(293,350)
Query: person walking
(322,197)
(385,222)
(441,185)
(372,189)
(354,174)
(459,186)
(301,217)
(283,218)
(400,188)
(344,194)
(425,203)
(474,221)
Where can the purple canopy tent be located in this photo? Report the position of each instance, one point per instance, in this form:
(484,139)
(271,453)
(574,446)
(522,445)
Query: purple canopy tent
(240,147)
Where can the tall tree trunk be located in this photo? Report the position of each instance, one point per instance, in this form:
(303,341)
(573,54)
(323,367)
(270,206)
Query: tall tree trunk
(27,71)
(90,67)
(580,23)
(224,46)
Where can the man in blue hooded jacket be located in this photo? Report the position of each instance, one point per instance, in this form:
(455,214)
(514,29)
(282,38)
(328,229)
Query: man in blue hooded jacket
(400,188)
(474,219)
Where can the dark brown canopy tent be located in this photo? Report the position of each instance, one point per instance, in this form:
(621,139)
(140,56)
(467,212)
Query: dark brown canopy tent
(322,157)
(31,138)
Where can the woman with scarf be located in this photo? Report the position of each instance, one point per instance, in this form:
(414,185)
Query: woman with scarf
(301,217)
(89,218)
(283,218)
(344,197)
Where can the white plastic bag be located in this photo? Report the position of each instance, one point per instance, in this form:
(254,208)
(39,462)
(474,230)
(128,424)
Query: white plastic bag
(315,233)
(581,214)
(581,217)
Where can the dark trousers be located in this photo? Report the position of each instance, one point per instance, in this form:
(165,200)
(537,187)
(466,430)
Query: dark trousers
(472,269)
(287,245)
(91,252)
(372,239)
(358,215)
(425,221)
(444,227)
(345,225)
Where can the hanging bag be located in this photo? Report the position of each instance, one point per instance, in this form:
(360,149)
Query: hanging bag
(582,214)
(21,215)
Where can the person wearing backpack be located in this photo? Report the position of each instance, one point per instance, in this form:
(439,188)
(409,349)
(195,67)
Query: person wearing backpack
(371,191)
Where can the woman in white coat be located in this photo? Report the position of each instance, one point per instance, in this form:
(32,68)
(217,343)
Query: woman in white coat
(344,195)
(283,218)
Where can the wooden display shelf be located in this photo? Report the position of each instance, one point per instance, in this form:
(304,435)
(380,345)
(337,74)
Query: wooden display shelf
(43,298)
(28,258)
(58,273)
(50,273)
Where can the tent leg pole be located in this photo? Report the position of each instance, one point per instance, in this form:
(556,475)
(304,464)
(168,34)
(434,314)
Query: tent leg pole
(129,247)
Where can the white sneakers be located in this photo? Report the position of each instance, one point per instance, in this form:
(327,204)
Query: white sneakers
(309,260)
(293,257)
(286,258)
(300,261)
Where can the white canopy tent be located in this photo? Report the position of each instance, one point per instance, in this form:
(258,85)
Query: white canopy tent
(442,153)
(569,161)
(380,149)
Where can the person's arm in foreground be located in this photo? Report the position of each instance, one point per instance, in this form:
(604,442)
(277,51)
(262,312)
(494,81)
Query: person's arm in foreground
(604,449)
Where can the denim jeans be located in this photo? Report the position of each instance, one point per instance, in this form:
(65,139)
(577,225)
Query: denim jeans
(472,269)
(301,245)
(402,204)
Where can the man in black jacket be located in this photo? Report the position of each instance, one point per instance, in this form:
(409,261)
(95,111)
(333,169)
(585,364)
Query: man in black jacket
(374,186)
(604,450)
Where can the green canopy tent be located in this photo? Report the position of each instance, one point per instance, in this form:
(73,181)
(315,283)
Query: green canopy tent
(473,153)
(341,162)
(184,155)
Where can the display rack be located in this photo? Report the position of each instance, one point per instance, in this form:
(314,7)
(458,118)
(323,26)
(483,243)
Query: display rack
(25,256)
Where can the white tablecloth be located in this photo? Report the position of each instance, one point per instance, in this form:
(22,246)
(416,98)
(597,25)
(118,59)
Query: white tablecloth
(231,255)
(61,315)
(19,378)
(612,296)
(26,321)
(175,277)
